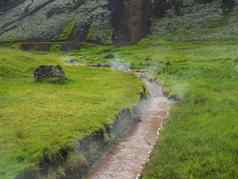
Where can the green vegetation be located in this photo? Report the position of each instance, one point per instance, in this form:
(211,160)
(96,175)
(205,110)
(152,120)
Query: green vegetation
(68,30)
(100,33)
(39,119)
(197,62)
(200,138)
(212,25)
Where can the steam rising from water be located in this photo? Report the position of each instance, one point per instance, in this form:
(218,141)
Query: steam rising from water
(153,70)
(180,89)
(148,76)
(119,64)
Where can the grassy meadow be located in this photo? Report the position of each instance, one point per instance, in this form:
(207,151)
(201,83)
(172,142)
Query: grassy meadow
(200,139)
(39,118)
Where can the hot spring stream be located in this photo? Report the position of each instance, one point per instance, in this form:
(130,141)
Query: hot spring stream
(128,157)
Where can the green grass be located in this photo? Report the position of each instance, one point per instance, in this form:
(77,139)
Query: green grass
(200,139)
(68,30)
(38,118)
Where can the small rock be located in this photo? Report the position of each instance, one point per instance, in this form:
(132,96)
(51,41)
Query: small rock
(53,73)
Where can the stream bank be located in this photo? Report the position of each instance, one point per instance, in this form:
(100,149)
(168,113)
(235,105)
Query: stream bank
(127,158)
(120,149)
(74,161)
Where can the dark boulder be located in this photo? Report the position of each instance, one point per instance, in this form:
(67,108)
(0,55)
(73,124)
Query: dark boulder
(50,73)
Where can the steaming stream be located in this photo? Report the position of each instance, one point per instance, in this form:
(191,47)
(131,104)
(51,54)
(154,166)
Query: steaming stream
(127,159)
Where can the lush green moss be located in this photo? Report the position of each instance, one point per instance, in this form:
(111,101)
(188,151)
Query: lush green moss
(68,30)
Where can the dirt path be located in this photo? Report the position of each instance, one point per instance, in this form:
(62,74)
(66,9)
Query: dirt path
(127,159)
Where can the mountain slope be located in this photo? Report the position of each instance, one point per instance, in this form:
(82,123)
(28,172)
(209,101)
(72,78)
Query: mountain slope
(101,21)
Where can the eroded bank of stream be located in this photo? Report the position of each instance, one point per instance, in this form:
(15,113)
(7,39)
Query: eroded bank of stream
(127,158)
(119,151)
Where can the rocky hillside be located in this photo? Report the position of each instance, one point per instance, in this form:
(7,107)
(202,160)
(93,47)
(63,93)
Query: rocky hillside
(196,19)
(119,21)
(78,20)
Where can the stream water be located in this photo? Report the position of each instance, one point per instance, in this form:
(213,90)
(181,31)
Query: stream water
(128,157)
